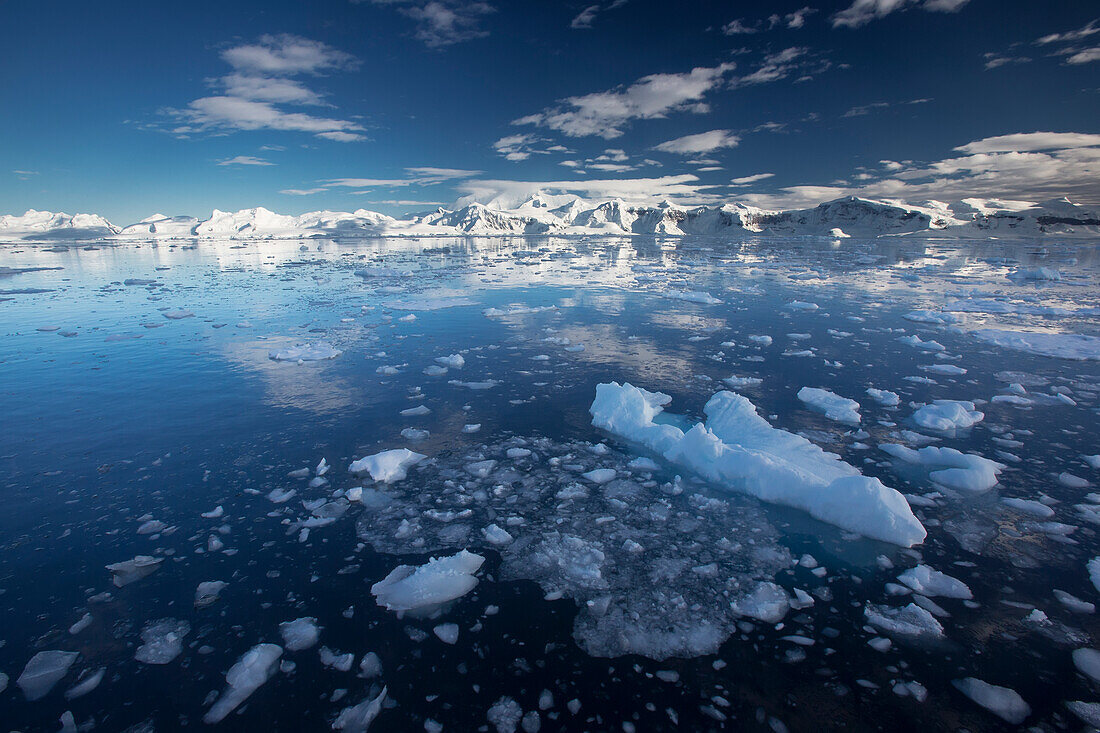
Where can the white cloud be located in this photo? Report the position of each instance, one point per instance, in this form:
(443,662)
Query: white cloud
(746,180)
(1073,36)
(421,176)
(780,65)
(443,22)
(287,55)
(1031,141)
(738,27)
(255,95)
(585,18)
(245,160)
(862,12)
(1025,166)
(302,191)
(702,142)
(1084,56)
(604,114)
(682,188)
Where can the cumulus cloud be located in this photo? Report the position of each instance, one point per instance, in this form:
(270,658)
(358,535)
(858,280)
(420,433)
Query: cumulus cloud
(287,55)
(255,95)
(1031,141)
(245,160)
(441,23)
(605,114)
(862,12)
(702,142)
(1023,166)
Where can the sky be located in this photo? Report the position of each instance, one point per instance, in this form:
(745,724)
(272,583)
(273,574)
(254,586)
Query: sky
(132,108)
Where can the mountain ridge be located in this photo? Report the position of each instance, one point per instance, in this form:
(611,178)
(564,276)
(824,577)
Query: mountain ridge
(848,216)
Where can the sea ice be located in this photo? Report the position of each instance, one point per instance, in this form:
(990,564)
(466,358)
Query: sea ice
(163,641)
(426,588)
(947,416)
(834,407)
(357,718)
(739,449)
(963,471)
(387,466)
(299,634)
(1001,701)
(929,582)
(255,667)
(131,571)
(43,671)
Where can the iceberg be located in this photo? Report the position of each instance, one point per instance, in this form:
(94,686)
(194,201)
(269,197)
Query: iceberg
(740,450)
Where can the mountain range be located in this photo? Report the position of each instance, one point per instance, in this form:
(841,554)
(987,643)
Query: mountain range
(556,215)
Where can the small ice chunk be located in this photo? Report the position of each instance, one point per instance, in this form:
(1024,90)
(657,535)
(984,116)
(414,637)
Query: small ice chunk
(447,633)
(834,407)
(357,718)
(417,411)
(1087,662)
(387,466)
(454,361)
(208,591)
(947,416)
(255,667)
(505,715)
(163,641)
(600,475)
(929,582)
(131,571)
(767,602)
(425,588)
(43,671)
(370,666)
(496,535)
(1001,701)
(911,621)
(884,397)
(299,634)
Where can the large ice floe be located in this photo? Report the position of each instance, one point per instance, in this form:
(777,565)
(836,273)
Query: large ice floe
(1060,345)
(740,450)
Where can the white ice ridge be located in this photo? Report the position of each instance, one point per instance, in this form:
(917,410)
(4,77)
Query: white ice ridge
(425,589)
(739,449)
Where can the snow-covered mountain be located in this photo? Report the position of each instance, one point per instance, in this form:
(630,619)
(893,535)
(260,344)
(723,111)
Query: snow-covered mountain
(569,215)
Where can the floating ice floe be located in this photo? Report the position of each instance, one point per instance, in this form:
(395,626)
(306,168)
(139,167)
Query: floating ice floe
(454,361)
(517,310)
(740,450)
(1059,345)
(387,466)
(162,641)
(131,571)
(916,342)
(299,634)
(737,382)
(832,405)
(909,622)
(477,386)
(357,718)
(884,397)
(43,671)
(208,592)
(963,471)
(255,667)
(306,352)
(927,316)
(929,582)
(424,590)
(1003,702)
(947,416)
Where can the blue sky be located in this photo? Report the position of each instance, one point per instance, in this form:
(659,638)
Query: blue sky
(131,108)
